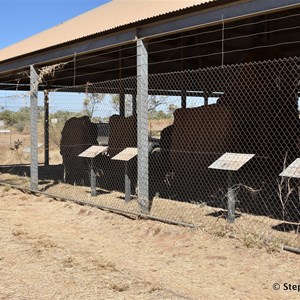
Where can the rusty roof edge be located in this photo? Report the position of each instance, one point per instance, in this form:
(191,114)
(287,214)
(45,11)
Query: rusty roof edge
(134,25)
(158,18)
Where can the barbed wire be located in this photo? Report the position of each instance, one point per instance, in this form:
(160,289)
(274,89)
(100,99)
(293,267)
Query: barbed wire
(97,63)
(9,73)
(93,73)
(226,52)
(105,53)
(225,28)
(225,39)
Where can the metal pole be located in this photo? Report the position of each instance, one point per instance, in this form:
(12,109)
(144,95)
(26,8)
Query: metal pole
(142,126)
(121,83)
(122,102)
(231,200)
(183,89)
(134,109)
(93,179)
(183,98)
(33,128)
(127,184)
(205,96)
(46,126)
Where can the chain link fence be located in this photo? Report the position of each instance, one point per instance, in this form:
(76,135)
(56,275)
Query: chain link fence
(15,128)
(194,117)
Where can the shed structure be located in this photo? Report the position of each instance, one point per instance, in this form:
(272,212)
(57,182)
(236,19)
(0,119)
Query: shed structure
(180,35)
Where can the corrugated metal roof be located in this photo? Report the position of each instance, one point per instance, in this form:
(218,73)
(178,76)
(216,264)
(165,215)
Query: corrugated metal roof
(109,16)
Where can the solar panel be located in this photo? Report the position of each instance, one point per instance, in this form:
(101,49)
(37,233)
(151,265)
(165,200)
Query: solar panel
(231,161)
(93,151)
(293,170)
(126,155)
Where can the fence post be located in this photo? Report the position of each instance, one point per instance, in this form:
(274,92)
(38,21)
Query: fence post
(134,109)
(183,98)
(121,89)
(46,126)
(33,129)
(142,126)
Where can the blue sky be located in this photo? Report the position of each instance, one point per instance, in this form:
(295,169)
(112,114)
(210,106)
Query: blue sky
(23,18)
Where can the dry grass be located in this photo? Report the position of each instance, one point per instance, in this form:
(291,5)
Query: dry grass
(11,156)
(60,250)
(256,231)
(156,126)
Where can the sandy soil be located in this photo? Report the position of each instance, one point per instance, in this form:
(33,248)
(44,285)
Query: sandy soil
(263,231)
(10,155)
(60,250)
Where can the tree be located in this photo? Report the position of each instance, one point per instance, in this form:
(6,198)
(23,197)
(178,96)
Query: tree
(20,118)
(62,115)
(115,102)
(23,118)
(158,115)
(153,102)
(172,108)
(8,117)
(90,102)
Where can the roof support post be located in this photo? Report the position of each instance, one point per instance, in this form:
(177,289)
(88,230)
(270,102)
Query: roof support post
(134,104)
(46,126)
(122,101)
(33,129)
(183,83)
(142,126)
(121,83)
(183,98)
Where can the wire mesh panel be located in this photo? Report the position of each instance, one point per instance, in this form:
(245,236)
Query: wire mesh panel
(255,112)
(15,126)
(101,114)
(194,117)
(15,137)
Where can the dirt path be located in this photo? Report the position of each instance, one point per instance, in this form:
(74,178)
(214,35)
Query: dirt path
(60,250)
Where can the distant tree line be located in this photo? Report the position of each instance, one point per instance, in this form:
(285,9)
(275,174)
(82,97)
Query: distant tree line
(21,118)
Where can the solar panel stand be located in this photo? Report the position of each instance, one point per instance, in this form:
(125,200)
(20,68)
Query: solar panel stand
(90,154)
(126,155)
(127,184)
(93,179)
(231,162)
(230,199)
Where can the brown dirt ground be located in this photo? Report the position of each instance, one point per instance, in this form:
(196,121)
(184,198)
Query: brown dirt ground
(60,250)
(9,156)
